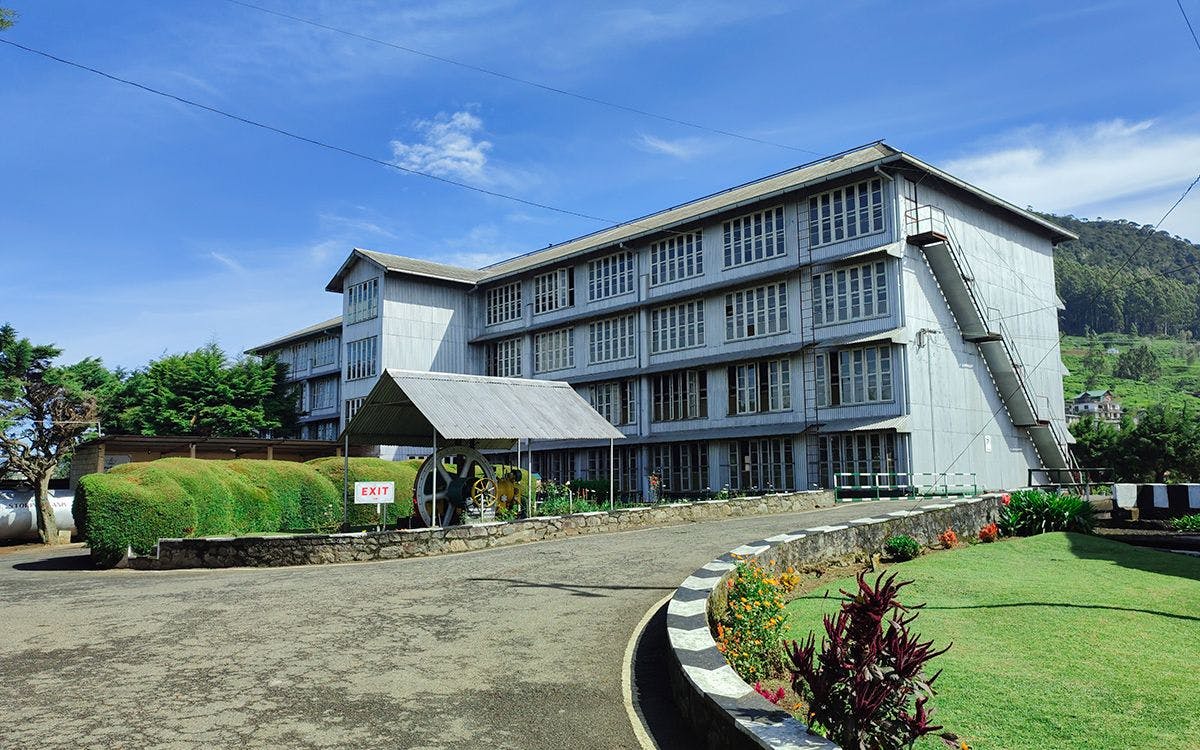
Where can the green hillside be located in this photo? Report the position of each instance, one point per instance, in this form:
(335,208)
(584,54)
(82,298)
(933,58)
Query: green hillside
(1176,385)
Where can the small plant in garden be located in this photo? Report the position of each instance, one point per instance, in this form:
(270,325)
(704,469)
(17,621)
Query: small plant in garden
(1186,523)
(901,547)
(989,532)
(751,633)
(948,538)
(1032,512)
(867,687)
(775,696)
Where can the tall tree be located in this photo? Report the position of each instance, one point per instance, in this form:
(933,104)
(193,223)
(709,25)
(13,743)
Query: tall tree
(8,17)
(1094,362)
(1138,363)
(43,413)
(202,393)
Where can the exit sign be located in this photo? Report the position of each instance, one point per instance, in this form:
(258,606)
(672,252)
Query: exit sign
(374,493)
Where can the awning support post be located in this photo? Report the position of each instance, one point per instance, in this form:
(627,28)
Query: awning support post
(612,474)
(346,483)
(529,458)
(433,516)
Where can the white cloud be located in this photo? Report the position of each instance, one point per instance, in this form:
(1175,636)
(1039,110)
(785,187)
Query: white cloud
(449,147)
(227,261)
(1114,169)
(680,148)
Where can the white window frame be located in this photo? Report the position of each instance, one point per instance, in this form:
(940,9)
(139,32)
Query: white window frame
(864,453)
(760,387)
(680,395)
(846,213)
(362,357)
(762,463)
(352,406)
(324,393)
(858,292)
(505,357)
(684,466)
(612,339)
(553,290)
(677,326)
(677,258)
(611,276)
(325,351)
(615,400)
(756,311)
(754,237)
(504,303)
(865,375)
(554,350)
(362,301)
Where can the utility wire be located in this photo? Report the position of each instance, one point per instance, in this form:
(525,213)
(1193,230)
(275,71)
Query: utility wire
(1189,23)
(967,445)
(522,81)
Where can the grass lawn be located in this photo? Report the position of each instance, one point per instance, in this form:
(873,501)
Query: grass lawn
(1060,641)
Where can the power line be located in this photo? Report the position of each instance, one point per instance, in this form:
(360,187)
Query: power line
(522,81)
(1189,23)
(967,445)
(310,141)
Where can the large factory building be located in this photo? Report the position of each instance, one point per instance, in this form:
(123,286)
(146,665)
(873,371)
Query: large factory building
(866,313)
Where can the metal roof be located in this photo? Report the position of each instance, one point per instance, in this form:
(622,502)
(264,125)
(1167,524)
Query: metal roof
(406,406)
(411,266)
(827,169)
(303,333)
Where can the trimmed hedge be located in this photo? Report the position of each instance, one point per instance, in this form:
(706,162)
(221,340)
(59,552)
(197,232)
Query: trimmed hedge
(403,473)
(134,505)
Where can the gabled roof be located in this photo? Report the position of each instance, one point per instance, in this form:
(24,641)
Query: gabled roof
(857,160)
(333,324)
(405,265)
(405,407)
(1098,393)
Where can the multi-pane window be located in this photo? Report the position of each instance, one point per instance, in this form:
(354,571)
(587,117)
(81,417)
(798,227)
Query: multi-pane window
(679,395)
(504,303)
(554,350)
(760,386)
(850,294)
(675,258)
(361,358)
(362,301)
(760,311)
(678,326)
(554,290)
(325,430)
(300,359)
(763,464)
(854,376)
(682,466)
(352,406)
(324,394)
(610,276)
(558,466)
(615,401)
(324,351)
(504,358)
(612,339)
(626,475)
(756,236)
(846,213)
(859,454)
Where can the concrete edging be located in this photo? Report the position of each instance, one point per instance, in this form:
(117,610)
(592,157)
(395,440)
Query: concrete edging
(316,549)
(720,705)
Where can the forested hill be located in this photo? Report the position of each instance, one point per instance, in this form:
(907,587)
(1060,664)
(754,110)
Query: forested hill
(1140,299)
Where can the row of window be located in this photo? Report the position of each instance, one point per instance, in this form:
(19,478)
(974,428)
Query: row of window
(762,464)
(300,358)
(362,301)
(833,216)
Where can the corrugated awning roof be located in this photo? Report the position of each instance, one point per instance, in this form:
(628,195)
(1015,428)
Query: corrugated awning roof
(405,407)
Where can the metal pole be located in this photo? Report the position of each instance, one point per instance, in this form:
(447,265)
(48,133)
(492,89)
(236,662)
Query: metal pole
(529,458)
(518,468)
(346,482)
(433,513)
(612,482)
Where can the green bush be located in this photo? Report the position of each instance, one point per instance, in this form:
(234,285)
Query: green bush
(1031,512)
(300,497)
(1186,523)
(403,473)
(901,547)
(114,512)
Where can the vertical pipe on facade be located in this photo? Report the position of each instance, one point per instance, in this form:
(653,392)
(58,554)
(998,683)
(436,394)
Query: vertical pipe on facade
(346,481)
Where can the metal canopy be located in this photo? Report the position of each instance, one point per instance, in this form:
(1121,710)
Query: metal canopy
(405,407)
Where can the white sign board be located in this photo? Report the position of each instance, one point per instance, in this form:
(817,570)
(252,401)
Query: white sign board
(374,493)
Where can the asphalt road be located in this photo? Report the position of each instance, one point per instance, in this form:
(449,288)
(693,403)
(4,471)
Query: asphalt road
(517,647)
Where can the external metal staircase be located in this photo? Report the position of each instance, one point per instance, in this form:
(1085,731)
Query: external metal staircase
(928,229)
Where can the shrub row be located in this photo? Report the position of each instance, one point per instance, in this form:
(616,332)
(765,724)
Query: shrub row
(135,505)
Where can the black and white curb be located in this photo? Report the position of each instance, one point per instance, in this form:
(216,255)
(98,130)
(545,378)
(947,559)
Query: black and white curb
(705,668)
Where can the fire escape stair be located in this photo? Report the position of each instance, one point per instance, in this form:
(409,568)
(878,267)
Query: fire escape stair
(957,285)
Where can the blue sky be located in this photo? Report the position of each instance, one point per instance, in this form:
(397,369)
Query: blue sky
(131,225)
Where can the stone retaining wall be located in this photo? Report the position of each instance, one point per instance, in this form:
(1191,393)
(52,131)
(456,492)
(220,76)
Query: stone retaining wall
(314,549)
(721,707)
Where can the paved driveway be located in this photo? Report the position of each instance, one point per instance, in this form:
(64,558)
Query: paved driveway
(519,647)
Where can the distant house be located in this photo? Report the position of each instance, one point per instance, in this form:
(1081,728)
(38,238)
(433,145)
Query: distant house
(1112,351)
(1100,404)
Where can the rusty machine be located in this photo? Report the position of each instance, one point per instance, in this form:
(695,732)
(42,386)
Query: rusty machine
(457,484)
